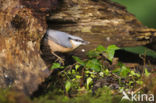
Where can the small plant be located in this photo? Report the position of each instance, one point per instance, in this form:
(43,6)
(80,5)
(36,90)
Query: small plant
(56,65)
(82,75)
(67,86)
(94,80)
(89,81)
(146,72)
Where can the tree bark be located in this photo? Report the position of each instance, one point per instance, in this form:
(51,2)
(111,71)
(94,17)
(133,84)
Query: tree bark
(21,29)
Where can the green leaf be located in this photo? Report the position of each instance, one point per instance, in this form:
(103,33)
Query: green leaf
(94,64)
(67,86)
(55,66)
(77,67)
(116,70)
(146,72)
(124,71)
(139,82)
(89,81)
(73,72)
(111,51)
(106,72)
(132,73)
(78,60)
(138,75)
(141,50)
(100,48)
(78,76)
(92,54)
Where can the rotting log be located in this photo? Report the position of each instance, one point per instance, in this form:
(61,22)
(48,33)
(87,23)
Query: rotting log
(101,22)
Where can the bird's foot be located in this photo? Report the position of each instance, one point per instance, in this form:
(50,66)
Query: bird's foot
(60,60)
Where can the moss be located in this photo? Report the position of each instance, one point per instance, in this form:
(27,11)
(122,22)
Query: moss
(11,96)
(103,95)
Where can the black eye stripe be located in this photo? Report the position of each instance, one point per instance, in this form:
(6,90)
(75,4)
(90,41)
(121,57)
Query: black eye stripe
(78,40)
(75,39)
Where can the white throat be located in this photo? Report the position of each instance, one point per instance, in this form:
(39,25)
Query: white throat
(75,44)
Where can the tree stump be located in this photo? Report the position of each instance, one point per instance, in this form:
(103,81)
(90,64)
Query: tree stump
(21,29)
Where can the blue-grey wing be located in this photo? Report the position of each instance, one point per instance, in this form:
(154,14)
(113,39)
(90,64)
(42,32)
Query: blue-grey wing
(59,37)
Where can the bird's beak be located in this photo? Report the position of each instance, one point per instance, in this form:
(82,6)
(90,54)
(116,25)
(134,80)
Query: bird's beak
(86,42)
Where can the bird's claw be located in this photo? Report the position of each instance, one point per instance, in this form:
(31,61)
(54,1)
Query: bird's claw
(60,60)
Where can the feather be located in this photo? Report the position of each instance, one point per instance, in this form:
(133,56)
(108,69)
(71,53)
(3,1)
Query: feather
(59,37)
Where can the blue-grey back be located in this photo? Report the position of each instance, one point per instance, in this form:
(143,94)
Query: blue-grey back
(59,37)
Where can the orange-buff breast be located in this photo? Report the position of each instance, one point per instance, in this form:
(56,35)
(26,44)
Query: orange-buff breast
(58,48)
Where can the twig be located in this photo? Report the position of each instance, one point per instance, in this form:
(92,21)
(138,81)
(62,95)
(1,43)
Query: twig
(139,89)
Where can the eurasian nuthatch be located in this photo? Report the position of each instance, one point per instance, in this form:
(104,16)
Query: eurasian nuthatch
(62,42)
